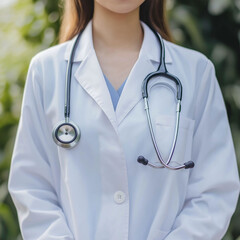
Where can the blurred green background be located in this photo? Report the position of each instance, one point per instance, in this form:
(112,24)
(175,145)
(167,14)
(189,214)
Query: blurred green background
(29,26)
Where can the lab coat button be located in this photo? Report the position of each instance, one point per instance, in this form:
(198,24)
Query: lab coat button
(119,197)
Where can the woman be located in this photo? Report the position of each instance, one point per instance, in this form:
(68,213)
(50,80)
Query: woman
(97,189)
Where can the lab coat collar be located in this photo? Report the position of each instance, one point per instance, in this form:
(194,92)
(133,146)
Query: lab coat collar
(85,45)
(90,76)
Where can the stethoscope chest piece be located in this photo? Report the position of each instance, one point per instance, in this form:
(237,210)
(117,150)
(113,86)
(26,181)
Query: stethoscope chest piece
(66,134)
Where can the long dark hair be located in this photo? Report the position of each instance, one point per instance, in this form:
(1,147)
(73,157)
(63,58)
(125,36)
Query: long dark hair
(77,14)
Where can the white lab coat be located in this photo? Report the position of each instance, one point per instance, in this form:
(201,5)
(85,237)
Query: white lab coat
(98,190)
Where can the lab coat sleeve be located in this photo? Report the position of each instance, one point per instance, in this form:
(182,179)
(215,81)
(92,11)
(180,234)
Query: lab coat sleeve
(31,184)
(213,186)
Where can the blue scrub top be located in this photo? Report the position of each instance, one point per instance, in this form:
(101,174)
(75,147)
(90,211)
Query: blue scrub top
(115,94)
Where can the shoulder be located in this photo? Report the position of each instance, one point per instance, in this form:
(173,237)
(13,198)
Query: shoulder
(50,56)
(186,57)
(196,70)
(48,66)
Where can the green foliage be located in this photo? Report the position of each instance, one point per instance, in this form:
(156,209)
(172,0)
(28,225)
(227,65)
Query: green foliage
(28,26)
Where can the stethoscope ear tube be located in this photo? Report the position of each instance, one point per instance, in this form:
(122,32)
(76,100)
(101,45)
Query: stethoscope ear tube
(162,72)
(166,164)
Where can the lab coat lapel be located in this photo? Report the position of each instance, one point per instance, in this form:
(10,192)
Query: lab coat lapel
(89,74)
(132,92)
(147,61)
(90,77)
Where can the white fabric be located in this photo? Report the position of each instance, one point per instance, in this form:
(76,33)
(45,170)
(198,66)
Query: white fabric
(98,190)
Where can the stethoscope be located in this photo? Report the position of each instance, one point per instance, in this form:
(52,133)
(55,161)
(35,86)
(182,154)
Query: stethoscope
(67,134)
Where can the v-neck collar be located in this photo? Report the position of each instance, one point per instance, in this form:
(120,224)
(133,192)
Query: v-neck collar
(115,94)
(109,84)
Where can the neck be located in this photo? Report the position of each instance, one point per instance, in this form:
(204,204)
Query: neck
(115,30)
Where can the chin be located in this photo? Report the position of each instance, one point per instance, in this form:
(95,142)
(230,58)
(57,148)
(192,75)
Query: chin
(120,6)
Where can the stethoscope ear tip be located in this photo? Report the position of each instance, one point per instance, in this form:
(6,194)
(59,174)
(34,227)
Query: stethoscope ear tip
(142,160)
(189,164)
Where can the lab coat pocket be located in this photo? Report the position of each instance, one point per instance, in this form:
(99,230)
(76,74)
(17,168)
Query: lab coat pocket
(165,129)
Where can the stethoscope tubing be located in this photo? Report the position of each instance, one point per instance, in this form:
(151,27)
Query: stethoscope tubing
(164,164)
(165,74)
(160,72)
(68,80)
(56,133)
